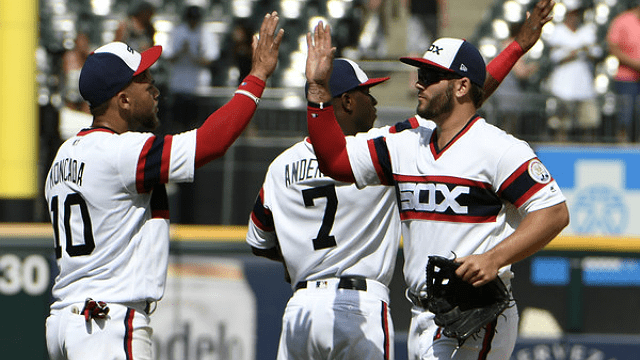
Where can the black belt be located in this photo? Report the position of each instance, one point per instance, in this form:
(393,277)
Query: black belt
(346,282)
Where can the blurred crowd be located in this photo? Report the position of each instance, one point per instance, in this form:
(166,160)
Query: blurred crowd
(579,85)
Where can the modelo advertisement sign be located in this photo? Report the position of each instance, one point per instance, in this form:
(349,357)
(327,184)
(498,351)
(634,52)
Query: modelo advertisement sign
(208,312)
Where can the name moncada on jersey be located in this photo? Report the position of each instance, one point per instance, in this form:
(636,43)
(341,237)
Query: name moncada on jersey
(66,170)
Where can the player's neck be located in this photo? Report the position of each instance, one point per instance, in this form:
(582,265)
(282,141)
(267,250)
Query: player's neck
(450,126)
(116,126)
(112,119)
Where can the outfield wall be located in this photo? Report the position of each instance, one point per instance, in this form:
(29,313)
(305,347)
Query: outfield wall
(224,303)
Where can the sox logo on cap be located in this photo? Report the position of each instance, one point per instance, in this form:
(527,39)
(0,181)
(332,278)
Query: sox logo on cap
(452,55)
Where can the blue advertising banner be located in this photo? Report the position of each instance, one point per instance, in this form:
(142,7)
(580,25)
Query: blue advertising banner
(579,347)
(602,186)
(595,271)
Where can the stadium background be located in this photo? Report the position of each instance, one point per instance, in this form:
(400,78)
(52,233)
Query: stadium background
(579,298)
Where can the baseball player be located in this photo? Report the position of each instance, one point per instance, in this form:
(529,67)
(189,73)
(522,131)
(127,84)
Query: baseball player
(464,187)
(107,200)
(340,252)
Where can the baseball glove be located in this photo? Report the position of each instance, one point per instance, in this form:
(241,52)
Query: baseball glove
(461,309)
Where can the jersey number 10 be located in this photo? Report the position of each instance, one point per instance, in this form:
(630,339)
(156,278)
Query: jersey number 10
(88,244)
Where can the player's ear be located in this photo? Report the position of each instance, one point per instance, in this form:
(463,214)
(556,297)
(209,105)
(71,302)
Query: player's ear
(462,87)
(123,99)
(347,102)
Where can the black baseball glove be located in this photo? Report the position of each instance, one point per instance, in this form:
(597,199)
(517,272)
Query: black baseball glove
(461,309)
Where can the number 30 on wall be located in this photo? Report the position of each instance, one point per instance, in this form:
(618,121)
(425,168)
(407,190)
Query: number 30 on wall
(31,274)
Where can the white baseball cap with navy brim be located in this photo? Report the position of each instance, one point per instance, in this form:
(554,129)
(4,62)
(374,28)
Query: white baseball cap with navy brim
(452,55)
(110,68)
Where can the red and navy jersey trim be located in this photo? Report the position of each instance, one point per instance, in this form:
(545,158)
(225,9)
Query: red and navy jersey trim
(433,143)
(153,163)
(430,197)
(159,202)
(410,123)
(380,152)
(520,186)
(86,131)
(381,159)
(261,216)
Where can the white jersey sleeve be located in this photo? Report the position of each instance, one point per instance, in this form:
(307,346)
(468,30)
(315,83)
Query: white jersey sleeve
(145,160)
(524,181)
(110,214)
(369,163)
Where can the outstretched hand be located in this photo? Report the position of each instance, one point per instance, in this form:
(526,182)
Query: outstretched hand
(532,28)
(265,47)
(319,63)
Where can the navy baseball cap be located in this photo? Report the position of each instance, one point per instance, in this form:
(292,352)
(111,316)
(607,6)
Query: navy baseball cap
(110,68)
(346,76)
(453,55)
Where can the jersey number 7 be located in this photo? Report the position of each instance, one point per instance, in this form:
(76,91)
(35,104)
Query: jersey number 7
(323,240)
(73,199)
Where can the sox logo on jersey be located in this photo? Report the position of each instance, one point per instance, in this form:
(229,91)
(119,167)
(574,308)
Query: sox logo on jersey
(447,198)
(424,197)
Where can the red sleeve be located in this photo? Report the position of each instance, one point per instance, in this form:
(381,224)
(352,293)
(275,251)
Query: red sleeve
(329,144)
(225,125)
(500,66)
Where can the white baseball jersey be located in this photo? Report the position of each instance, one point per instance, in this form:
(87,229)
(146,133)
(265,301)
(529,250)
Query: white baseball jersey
(464,198)
(110,214)
(329,230)
(324,228)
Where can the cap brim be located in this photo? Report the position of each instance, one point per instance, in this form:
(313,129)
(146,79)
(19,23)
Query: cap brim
(374,81)
(422,62)
(149,57)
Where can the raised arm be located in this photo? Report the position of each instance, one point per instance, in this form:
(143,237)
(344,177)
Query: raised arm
(319,63)
(528,35)
(225,125)
(325,132)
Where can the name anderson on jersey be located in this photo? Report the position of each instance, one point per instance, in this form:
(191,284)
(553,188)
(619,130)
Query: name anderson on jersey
(303,169)
(66,170)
